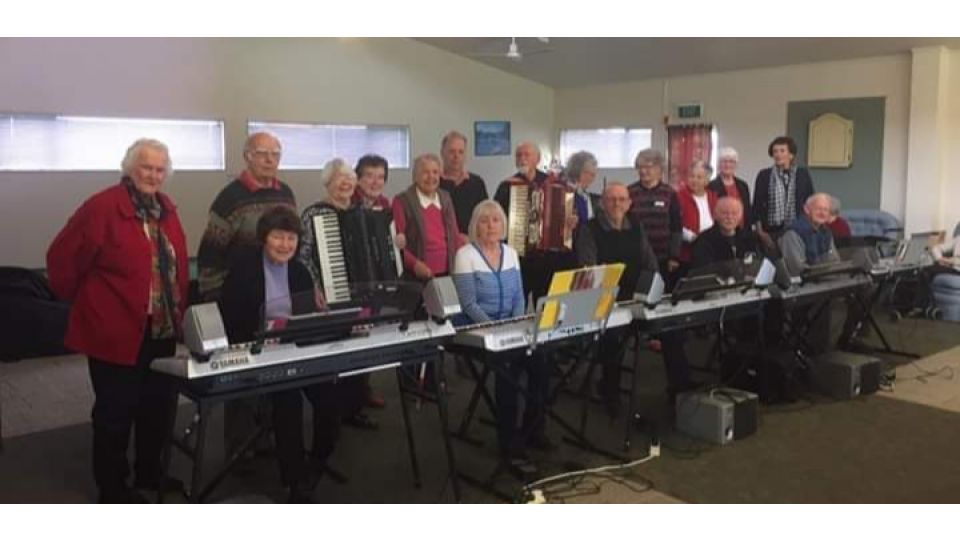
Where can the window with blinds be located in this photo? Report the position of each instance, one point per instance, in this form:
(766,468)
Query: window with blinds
(615,148)
(45,142)
(310,146)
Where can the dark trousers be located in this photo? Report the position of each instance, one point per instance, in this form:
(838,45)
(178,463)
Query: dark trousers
(506,394)
(327,401)
(675,361)
(537,270)
(130,397)
(612,347)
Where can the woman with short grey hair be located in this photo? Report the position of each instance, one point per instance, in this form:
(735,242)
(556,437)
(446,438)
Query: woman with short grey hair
(581,171)
(121,262)
(728,184)
(340,182)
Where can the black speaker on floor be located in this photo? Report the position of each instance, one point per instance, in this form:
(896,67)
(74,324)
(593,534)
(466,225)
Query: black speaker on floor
(844,375)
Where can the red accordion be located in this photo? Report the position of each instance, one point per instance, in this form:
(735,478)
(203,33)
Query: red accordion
(537,217)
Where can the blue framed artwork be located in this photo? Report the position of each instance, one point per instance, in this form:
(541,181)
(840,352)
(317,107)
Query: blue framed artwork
(491,138)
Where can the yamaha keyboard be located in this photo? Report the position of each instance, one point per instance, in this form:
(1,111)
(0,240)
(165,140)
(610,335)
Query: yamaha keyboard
(237,367)
(835,285)
(518,332)
(688,313)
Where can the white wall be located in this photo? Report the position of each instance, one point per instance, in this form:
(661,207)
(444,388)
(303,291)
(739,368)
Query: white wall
(392,81)
(749,108)
(950,200)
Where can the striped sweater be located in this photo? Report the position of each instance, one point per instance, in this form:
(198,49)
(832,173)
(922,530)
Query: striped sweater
(488,293)
(232,227)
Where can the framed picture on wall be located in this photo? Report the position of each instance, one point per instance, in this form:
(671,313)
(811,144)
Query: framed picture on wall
(491,138)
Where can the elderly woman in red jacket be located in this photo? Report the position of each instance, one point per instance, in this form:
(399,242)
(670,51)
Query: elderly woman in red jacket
(696,206)
(121,260)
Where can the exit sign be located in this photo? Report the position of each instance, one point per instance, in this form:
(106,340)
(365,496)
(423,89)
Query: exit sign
(690,110)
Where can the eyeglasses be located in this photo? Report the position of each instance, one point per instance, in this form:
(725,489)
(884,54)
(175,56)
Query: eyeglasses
(261,153)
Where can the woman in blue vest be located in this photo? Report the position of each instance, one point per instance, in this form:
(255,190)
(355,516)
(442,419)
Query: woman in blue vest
(487,277)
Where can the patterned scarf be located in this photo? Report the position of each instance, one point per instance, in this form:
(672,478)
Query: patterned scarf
(164,297)
(783,196)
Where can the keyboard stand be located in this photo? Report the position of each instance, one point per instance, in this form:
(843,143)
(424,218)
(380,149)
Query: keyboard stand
(205,402)
(884,282)
(646,329)
(579,307)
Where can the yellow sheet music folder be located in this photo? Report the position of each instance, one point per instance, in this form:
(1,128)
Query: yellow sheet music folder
(604,276)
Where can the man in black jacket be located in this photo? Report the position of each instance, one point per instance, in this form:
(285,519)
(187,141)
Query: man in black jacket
(610,237)
(725,240)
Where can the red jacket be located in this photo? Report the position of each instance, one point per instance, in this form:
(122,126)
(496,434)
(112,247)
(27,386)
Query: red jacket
(840,228)
(101,263)
(690,216)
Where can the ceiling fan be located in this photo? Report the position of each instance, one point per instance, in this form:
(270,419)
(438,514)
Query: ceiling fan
(513,51)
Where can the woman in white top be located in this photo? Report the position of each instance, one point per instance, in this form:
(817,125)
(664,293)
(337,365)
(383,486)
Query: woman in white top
(696,206)
(950,247)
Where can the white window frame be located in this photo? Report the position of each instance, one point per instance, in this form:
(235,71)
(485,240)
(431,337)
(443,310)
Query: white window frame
(629,153)
(268,126)
(113,147)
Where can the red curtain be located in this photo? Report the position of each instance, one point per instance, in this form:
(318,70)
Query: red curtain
(687,143)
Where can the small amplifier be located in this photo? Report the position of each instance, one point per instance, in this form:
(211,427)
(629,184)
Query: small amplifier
(766,274)
(203,331)
(720,416)
(843,375)
(440,298)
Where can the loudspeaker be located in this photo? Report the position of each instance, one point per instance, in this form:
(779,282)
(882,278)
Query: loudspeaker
(203,331)
(440,298)
(719,416)
(766,274)
(843,375)
(650,288)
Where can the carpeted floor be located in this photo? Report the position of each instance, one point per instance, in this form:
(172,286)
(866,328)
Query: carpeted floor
(870,450)
(889,447)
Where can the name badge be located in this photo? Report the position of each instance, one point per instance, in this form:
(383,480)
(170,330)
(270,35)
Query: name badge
(659,204)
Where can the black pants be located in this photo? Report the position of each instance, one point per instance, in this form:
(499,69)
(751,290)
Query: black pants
(537,270)
(612,347)
(126,397)
(675,361)
(506,395)
(327,400)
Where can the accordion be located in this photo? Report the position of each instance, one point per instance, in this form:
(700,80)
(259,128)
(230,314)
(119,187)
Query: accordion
(355,246)
(537,216)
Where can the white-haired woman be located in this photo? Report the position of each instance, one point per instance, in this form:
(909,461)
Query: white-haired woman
(728,184)
(581,171)
(340,181)
(121,261)
(489,284)
(425,217)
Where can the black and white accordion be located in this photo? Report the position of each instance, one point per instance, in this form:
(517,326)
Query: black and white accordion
(355,246)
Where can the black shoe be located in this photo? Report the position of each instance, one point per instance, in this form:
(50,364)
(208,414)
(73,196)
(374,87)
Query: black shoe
(521,468)
(122,496)
(361,421)
(167,484)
